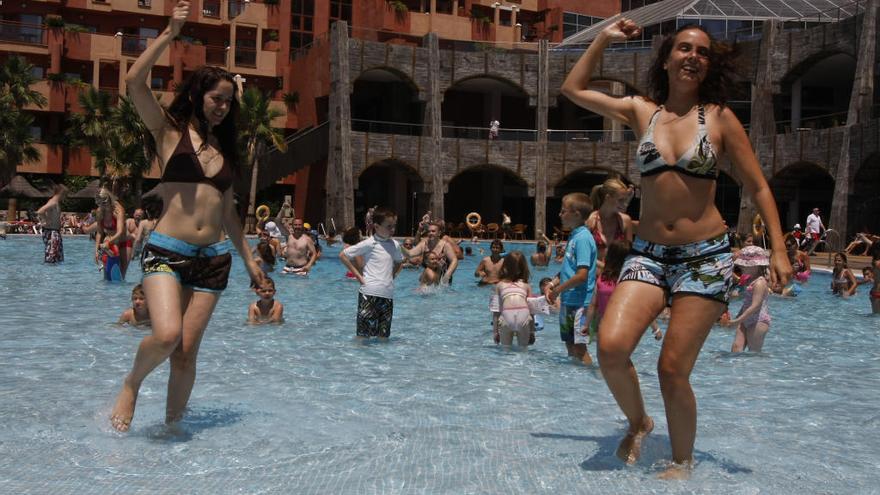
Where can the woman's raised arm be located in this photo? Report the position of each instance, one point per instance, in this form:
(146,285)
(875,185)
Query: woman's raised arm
(136,79)
(576,85)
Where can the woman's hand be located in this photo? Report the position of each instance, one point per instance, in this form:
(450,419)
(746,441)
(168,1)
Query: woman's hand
(780,268)
(178,17)
(622,30)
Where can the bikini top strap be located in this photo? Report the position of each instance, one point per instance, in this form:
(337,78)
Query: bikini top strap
(701,119)
(650,131)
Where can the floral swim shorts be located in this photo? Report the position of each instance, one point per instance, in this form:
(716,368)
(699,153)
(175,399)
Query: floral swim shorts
(702,268)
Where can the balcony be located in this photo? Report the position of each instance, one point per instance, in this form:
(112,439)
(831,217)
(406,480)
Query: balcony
(246,57)
(216,55)
(43,87)
(24,34)
(133,45)
(50,161)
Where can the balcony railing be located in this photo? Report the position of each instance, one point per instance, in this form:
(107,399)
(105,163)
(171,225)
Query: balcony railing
(245,57)
(216,55)
(504,134)
(16,32)
(133,44)
(599,135)
(383,127)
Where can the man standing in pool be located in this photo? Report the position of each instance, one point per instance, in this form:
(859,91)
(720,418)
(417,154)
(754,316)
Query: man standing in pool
(50,218)
(681,255)
(300,253)
(382,262)
(442,246)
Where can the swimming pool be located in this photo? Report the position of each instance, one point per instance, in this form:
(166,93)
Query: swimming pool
(301,408)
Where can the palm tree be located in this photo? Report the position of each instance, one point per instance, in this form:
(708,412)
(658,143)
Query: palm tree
(136,143)
(94,128)
(255,133)
(16,142)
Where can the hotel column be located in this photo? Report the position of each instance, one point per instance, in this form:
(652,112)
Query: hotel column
(762,124)
(860,103)
(433,123)
(541,126)
(339,184)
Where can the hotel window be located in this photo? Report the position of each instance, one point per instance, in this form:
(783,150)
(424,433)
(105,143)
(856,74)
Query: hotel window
(340,10)
(573,22)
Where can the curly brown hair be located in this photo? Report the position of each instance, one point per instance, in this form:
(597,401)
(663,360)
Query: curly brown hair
(719,78)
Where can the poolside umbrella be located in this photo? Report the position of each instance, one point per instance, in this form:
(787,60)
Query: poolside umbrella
(88,192)
(19,187)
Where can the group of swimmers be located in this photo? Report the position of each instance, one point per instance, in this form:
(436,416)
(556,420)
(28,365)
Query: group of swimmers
(678,256)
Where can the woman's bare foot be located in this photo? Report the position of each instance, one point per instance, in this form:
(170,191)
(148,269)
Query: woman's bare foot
(123,410)
(631,446)
(677,471)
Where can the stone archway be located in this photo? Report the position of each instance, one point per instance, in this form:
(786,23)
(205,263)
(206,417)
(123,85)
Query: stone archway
(489,190)
(471,104)
(394,184)
(800,187)
(386,101)
(816,93)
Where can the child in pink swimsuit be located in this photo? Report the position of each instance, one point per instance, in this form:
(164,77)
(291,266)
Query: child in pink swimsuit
(753,320)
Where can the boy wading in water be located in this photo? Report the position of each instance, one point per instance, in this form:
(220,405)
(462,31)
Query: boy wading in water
(382,262)
(577,278)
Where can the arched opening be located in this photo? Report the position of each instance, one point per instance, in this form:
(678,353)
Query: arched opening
(471,104)
(864,203)
(727,198)
(816,94)
(396,185)
(386,101)
(580,181)
(570,122)
(489,190)
(798,189)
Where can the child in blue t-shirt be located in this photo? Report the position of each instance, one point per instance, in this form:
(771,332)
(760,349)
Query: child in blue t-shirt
(577,278)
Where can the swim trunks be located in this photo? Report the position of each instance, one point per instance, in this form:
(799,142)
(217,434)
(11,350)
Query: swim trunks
(54,252)
(204,268)
(701,268)
(294,269)
(374,316)
(568,322)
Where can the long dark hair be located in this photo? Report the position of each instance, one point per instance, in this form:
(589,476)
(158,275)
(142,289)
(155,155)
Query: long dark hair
(514,267)
(188,103)
(715,88)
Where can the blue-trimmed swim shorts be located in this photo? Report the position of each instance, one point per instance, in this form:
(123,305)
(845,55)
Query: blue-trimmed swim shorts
(701,268)
(204,268)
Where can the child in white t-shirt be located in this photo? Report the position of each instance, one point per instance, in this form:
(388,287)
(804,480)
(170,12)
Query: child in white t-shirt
(382,262)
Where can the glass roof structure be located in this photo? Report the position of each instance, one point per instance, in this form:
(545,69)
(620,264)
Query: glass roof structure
(785,10)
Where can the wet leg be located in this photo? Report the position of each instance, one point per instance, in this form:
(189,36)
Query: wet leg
(183,359)
(163,292)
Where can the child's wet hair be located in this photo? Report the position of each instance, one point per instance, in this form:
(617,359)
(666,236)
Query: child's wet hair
(543,283)
(351,236)
(268,281)
(497,242)
(579,202)
(514,267)
(138,290)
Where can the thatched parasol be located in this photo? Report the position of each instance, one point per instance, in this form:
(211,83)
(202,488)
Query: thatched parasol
(88,192)
(19,187)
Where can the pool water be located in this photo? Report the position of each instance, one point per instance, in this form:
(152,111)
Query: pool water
(302,408)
